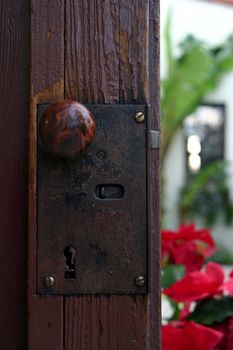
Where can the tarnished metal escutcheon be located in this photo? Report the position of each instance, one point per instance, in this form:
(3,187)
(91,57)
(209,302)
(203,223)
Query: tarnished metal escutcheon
(92,210)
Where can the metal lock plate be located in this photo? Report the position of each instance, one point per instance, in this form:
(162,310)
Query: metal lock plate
(92,211)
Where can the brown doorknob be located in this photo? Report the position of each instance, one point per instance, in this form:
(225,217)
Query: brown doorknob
(66,128)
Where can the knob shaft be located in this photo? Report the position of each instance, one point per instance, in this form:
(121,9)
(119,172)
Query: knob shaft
(66,128)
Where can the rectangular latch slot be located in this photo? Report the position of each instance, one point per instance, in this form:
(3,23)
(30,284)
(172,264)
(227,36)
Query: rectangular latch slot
(109,191)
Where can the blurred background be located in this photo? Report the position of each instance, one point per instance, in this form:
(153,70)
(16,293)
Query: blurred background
(197,118)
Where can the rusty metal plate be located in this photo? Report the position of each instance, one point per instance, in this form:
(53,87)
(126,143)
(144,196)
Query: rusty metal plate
(92,211)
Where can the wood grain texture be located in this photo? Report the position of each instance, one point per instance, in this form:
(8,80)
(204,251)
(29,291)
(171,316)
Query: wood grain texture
(46,322)
(92,51)
(46,85)
(47,47)
(104,322)
(14,91)
(110,48)
(154,304)
(134,35)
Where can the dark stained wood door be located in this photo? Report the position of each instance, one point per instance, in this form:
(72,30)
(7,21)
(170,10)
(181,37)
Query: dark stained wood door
(14,112)
(95,51)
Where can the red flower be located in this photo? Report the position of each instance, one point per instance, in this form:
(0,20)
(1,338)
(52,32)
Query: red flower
(230,335)
(197,285)
(187,246)
(227,287)
(189,336)
(185,312)
(226,328)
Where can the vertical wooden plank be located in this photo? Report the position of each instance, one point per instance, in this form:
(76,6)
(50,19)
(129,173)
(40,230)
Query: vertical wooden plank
(154,307)
(92,44)
(46,323)
(45,315)
(107,61)
(14,91)
(134,37)
(105,322)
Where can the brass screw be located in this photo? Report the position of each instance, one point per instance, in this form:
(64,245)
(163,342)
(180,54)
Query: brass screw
(140,281)
(139,117)
(49,281)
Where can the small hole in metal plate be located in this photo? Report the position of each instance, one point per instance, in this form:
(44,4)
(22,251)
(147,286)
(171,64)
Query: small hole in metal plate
(70,254)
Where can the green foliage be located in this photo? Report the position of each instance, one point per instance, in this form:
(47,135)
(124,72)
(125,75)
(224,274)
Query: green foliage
(209,311)
(207,195)
(191,74)
(194,73)
(222,256)
(171,274)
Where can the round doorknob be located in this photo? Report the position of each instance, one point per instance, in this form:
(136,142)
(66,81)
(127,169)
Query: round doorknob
(66,128)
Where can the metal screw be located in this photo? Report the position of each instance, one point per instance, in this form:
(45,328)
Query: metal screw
(101,154)
(49,281)
(139,117)
(140,281)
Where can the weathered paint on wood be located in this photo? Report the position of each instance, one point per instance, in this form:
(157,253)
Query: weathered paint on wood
(14,91)
(133,47)
(92,51)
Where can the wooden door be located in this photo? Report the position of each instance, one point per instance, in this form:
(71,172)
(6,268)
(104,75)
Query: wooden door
(14,112)
(99,52)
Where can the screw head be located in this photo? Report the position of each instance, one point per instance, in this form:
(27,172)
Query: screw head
(140,281)
(49,281)
(101,154)
(139,117)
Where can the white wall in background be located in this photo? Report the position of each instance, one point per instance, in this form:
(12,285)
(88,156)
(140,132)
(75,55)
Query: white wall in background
(211,22)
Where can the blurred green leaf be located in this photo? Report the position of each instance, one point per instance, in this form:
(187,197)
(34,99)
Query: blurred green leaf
(194,73)
(171,274)
(223,255)
(207,195)
(210,311)
(168,43)
(200,180)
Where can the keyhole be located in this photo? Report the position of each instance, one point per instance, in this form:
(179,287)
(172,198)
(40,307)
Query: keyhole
(69,253)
